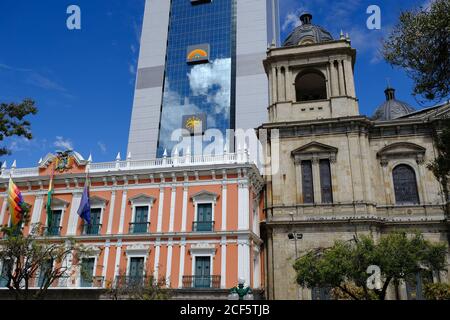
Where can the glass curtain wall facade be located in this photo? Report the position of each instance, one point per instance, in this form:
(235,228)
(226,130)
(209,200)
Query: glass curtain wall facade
(198,89)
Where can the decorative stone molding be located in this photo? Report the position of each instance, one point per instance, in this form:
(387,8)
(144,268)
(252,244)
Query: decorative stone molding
(137,250)
(203,249)
(142,199)
(98,201)
(94,250)
(401,150)
(50,157)
(59,203)
(205,196)
(314,151)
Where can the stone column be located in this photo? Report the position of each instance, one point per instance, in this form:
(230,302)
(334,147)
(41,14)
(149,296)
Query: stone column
(386,184)
(274,85)
(223,262)
(334,80)
(350,83)
(169,262)
(290,92)
(224,206)
(298,176)
(316,181)
(421,179)
(122,211)
(341,79)
(182,256)
(334,181)
(105,260)
(111,212)
(366,165)
(281,84)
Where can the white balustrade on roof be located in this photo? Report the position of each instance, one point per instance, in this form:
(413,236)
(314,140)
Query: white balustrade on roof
(177,161)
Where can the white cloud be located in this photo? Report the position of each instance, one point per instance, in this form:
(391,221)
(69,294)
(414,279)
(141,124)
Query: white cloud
(63,143)
(291,21)
(214,81)
(102,147)
(131,69)
(18,144)
(43,82)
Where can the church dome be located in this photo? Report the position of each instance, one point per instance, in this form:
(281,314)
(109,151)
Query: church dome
(307,33)
(392,108)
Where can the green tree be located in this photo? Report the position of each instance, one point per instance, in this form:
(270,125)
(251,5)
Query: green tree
(437,291)
(145,288)
(13,122)
(419,43)
(343,267)
(27,256)
(440,166)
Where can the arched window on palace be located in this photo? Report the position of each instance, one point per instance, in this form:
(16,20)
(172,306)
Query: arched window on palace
(310,86)
(405,185)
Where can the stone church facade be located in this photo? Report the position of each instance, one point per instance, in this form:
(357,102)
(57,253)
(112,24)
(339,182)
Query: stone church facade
(340,173)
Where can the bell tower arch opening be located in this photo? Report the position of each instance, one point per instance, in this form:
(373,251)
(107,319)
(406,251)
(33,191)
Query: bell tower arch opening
(310,85)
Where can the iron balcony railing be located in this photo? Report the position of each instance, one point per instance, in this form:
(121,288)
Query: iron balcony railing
(203,226)
(91,229)
(139,227)
(133,281)
(52,231)
(201,282)
(66,282)
(91,282)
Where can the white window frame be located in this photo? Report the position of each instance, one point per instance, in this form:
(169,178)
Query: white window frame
(141,201)
(60,205)
(138,251)
(99,203)
(203,250)
(204,197)
(95,257)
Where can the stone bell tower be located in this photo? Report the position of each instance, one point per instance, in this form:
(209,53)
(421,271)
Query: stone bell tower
(311,75)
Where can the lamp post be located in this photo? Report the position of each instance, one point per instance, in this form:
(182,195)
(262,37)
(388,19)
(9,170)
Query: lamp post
(295,236)
(240,292)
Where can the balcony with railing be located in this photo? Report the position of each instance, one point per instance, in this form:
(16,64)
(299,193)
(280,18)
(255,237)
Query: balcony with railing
(201,282)
(68,282)
(91,282)
(91,229)
(139,227)
(203,226)
(132,281)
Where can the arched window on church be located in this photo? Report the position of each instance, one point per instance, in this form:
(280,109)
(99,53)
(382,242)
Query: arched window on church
(405,185)
(310,86)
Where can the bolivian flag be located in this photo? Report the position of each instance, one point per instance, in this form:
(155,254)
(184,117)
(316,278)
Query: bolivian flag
(15,201)
(49,203)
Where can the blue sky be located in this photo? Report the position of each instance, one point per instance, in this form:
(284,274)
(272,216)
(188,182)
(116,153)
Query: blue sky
(83,81)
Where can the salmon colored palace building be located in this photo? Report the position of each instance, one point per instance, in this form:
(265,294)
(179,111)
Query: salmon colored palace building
(192,221)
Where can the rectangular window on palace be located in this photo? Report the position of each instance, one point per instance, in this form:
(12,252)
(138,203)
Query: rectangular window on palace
(307,182)
(325,181)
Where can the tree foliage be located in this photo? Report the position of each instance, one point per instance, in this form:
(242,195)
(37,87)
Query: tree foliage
(137,288)
(437,291)
(419,43)
(13,122)
(27,256)
(343,267)
(440,166)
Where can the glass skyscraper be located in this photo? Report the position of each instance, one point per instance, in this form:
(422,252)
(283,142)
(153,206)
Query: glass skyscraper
(200,67)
